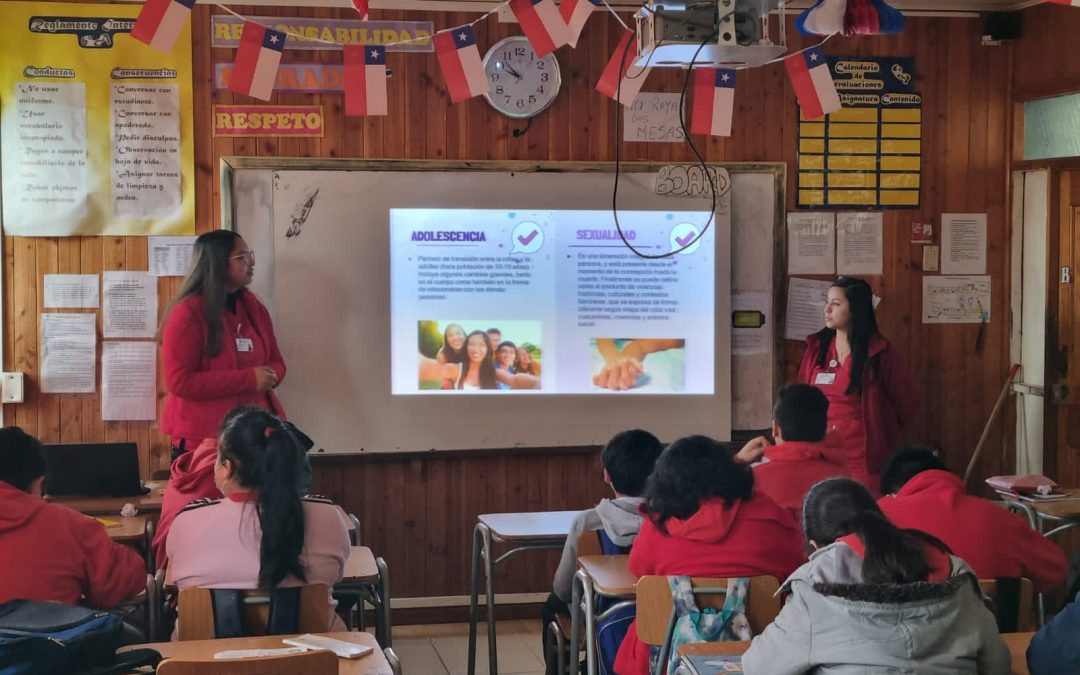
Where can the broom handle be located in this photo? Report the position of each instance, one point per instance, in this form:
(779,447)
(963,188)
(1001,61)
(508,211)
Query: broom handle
(990,422)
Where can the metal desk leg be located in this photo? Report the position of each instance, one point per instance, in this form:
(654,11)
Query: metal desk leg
(589,598)
(489,573)
(382,623)
(576,586)
(474,591)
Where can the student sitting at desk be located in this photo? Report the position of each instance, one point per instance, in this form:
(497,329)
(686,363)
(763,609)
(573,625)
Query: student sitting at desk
(262,534)
(703,518)
(49,552)
(628,459)
(875,598)
(800,458)
(1055,649)
(922,494)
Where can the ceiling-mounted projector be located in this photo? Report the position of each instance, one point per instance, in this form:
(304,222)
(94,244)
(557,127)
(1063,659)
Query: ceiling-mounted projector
(722,33)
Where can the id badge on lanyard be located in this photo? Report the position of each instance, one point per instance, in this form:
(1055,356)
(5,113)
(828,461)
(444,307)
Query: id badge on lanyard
(244,344)
(825,378)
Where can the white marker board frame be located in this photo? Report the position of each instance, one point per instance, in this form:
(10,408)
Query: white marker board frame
(374,421)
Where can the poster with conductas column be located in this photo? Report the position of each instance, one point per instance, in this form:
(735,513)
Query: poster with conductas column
(95,126)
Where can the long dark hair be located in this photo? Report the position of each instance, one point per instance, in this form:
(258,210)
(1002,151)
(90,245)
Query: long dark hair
(487,364)
(267,459)
(692,469)
(449,353)
(209,277)
(862,326)
(837,507)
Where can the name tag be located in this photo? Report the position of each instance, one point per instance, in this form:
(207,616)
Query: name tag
(244,345)
(825,378)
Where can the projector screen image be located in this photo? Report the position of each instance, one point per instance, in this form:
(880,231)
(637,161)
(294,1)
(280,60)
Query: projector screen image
(511,303)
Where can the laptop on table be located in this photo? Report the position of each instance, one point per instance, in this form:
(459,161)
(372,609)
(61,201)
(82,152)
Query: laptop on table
(92,470)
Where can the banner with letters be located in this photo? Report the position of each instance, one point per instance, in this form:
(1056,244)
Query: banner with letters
(96,128)
(330,34)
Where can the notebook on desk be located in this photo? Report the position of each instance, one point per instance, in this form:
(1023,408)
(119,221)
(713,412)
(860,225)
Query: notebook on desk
(710,665)
(92,470)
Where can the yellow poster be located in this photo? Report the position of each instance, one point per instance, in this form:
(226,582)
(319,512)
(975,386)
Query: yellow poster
(96,129)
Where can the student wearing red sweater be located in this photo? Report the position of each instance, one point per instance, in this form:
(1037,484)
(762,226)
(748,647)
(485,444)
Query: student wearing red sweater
(922,494)
(704,518)
(49,552)
(800,459)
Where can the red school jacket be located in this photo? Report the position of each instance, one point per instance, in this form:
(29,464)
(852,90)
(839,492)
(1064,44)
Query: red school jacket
(889,396)
(793,468)
(994,542)
(203,389)
(751,538)
(191,477)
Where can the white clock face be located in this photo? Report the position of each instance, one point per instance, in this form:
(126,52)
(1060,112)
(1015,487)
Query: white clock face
(520,84)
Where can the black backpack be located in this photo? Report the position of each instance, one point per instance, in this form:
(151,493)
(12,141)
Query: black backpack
(43,638)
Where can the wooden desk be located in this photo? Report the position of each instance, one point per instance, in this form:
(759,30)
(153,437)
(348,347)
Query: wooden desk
(524,531)
(605,576)
(372,664)
(149,503)
(360,567)
(1017,642)
(1064,512)
(610,574)
(131,530)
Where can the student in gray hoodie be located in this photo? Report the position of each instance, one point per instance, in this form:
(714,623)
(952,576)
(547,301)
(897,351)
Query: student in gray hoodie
(876,599)
(628,459)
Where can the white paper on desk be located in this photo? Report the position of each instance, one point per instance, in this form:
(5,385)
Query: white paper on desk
(805,307)
(811,243)
(858,243)
(71,290)
(68,353)
(129,381)
(130,304)
(963,243)
(170,256)
(752,340)
(956,299)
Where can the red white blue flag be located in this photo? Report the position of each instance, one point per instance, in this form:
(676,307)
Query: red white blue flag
(257,60)
(459,59)
(714,101)
(813,83)
(160,22)
(542,24)
(365,80)
(575,13)
(621,80)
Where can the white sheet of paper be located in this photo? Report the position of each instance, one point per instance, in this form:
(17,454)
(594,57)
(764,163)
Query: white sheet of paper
(805,307)
(963,243)
(130,304)
(68,353)
(752,340)
(811,243)
(859,243)
(145,150)
(956,299)
(71,290)
(171,256)
(128,381)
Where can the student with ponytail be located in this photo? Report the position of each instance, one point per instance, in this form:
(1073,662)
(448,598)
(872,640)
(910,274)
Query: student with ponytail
(875,598)
(262,534)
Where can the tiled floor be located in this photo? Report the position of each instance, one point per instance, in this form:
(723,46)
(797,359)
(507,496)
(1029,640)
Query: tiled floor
(443,649)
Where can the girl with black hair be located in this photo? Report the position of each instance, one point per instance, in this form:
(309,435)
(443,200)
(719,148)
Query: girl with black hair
(871,394)
(262,534)
(703,518)
(876,599)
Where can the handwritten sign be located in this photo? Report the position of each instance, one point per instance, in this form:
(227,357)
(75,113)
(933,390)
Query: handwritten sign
(653,118)
(688,180)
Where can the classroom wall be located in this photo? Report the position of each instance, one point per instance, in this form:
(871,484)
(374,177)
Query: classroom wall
(418,512)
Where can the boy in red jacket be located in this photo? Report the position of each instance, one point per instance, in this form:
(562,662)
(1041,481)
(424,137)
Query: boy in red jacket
(922,494)
(800,459)
(49,552)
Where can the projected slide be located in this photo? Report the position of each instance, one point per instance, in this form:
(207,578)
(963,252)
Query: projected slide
(550,302)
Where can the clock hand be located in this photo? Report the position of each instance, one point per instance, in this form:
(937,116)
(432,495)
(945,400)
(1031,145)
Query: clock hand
(511,70)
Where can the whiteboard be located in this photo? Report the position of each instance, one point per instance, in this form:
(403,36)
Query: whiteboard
(329,292)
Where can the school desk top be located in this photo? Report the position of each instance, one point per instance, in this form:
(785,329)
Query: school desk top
(1065,508)
(536,525)
(125,530)
(110,506)
(610,574)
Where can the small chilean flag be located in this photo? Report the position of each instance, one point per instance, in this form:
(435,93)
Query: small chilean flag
(160,22)
(631,78)
(575,13)
(257,59)
(542,23)
(714,101)
(460,62)
(813,83)
(365,80)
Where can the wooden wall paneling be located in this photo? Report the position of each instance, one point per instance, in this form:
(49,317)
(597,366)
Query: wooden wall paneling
(24,322)
(47,251)
(90,257)
(11,413)
(114,257)
(71,406)
(1040,69)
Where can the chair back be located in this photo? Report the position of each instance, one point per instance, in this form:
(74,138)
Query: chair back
(1013,601)
(588,543)
(305,663)
(206,614)
(654,604)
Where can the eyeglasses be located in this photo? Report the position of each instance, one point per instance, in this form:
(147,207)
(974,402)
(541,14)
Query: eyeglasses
(247,255)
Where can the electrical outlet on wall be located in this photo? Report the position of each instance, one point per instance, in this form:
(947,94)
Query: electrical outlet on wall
(11,387)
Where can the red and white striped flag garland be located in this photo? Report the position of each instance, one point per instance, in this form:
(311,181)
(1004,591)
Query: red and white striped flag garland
(459,59)
(575,13)
(814,88)
(365,80)
(621,80)
(257,61)
(160,22)
(361,8)
(714,101)
(542,24)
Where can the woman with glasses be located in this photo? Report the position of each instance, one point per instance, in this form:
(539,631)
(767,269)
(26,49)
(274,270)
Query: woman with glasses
(217,342)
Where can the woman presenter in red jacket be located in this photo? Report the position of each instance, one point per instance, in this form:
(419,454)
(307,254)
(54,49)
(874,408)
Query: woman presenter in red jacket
(217,342)
(871,394)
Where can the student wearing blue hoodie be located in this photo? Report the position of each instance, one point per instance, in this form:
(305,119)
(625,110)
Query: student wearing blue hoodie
(1055,649)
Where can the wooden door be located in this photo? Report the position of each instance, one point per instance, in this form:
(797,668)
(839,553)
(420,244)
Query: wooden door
(1063,335)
